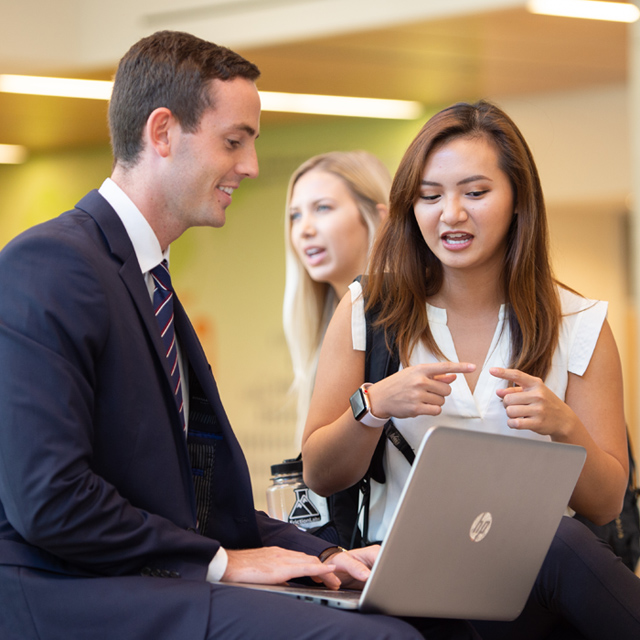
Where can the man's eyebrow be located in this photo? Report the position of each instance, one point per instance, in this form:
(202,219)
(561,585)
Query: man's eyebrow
(247,129)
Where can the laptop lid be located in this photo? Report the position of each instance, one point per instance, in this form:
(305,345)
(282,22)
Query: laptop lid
(473,525)
(470,532)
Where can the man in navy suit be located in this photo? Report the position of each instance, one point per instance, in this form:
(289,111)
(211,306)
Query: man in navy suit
(125,499)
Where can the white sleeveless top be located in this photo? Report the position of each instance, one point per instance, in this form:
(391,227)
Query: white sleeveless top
(483,410)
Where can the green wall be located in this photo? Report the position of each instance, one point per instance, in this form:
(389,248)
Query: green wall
(231,280)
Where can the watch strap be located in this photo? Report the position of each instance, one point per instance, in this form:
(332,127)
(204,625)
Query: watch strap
(370,420)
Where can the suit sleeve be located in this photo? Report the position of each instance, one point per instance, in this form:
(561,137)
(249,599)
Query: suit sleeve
(281,534)
(54,329)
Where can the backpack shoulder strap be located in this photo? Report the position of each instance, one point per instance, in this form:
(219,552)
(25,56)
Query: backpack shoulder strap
(380,362)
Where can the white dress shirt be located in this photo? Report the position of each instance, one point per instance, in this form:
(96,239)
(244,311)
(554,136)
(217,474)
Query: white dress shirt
(149,254)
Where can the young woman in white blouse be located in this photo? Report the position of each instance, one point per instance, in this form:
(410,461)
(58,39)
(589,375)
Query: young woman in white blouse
(488,340)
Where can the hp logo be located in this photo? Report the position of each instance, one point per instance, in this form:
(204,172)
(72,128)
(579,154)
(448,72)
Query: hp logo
(480,526)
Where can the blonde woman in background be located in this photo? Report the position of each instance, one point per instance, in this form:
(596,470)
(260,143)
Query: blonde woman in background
(335,203)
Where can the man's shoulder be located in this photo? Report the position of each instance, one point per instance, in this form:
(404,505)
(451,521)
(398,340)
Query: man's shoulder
(75,228)
(63,265)
(68,248)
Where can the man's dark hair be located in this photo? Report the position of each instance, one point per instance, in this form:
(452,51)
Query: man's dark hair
(167,69)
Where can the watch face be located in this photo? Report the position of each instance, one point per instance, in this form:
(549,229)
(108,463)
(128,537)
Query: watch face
(358,405)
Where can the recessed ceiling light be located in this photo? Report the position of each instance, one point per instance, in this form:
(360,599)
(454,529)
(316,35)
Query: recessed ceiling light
(12,154)
(590,9)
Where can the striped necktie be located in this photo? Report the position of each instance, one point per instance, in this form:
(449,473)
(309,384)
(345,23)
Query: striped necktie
(163,309)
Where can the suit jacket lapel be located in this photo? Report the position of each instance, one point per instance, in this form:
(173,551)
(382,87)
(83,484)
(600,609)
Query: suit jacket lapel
(233,516)
(122,249)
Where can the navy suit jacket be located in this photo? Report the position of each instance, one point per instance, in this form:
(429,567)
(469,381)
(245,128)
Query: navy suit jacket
(96,478)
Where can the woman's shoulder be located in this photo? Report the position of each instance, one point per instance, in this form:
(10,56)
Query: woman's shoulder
(358,319)
(572,303)
(582,320)
(356,288)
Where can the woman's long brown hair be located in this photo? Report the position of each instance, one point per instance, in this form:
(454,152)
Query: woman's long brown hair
(404,272)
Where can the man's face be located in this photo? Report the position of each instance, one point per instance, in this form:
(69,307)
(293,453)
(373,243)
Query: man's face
(209,164)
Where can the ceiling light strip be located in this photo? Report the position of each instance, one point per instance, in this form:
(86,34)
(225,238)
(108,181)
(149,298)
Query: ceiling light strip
(589,9)
(271,100)
(61,87)
(340,105)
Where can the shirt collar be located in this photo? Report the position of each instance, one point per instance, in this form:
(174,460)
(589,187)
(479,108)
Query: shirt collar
(144,240)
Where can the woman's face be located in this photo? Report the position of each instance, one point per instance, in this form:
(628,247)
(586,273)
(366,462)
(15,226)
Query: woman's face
(465,205)
(327,230)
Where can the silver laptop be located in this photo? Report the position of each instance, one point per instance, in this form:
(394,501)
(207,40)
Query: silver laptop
(470,532)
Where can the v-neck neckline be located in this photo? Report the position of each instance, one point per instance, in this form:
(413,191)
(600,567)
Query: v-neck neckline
(483,392)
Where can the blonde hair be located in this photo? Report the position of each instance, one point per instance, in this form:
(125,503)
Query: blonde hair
(309,305)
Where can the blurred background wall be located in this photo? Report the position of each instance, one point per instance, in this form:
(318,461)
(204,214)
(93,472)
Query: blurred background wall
(571,85)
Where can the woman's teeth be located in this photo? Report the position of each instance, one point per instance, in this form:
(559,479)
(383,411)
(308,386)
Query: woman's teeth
(456,238)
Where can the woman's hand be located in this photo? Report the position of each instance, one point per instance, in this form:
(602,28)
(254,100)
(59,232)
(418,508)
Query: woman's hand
(530,404)
(415,391)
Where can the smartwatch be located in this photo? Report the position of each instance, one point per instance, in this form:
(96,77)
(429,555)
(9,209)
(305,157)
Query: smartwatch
(362,409)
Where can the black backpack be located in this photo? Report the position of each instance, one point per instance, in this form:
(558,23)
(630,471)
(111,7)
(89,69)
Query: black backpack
(623,533)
